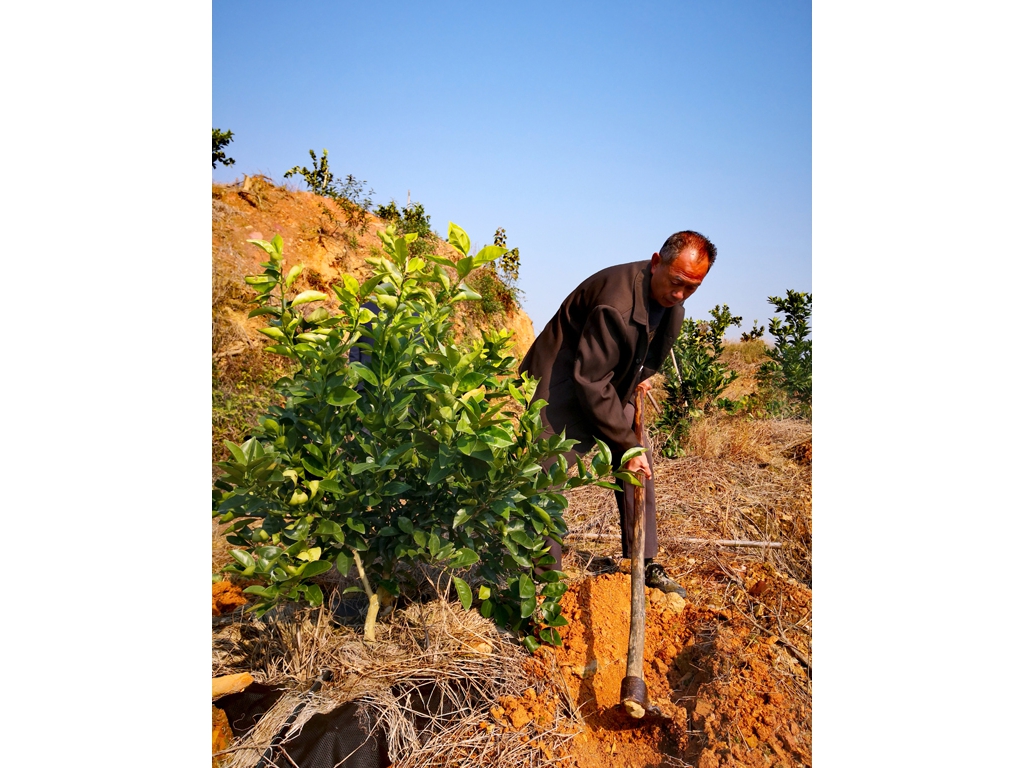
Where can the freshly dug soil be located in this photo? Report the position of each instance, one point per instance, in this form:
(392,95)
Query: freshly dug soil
(718,697)
(227,597)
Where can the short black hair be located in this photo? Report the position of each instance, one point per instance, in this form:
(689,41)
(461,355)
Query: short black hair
(688,239)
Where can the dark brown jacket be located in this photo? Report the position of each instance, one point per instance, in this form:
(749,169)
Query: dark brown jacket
(594,352)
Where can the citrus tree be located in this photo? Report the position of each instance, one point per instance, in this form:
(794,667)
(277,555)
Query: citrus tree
(694,376)
(788,368)
(398,446)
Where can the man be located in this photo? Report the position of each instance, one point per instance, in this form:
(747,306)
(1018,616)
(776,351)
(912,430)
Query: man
(610,335)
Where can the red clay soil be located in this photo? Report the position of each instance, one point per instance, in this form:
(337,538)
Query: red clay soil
(717,689)
(227,597)
(221,733)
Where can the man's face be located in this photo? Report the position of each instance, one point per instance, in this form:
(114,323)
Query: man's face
(673,283)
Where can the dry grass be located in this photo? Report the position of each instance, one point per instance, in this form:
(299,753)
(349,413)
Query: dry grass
(429,681)
(739,480)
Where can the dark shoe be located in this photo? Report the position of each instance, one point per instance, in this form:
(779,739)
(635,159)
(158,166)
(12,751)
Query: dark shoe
(656,578)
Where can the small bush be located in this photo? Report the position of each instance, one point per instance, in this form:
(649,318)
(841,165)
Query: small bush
(496,284)
(756,332)
(694,377)
(787,372)
(413,219)
(351,196)
(412,457)
(220,140)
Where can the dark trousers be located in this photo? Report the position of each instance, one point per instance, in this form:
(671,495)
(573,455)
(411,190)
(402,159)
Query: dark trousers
(623,499)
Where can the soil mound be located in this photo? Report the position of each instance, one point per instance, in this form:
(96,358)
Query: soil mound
(718,699)
(227,597)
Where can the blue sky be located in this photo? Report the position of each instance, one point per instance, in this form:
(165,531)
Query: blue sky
(589,132)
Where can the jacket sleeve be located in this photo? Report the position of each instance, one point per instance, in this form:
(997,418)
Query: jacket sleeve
(601,344)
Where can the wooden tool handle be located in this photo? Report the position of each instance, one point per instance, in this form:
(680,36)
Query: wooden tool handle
(633,693)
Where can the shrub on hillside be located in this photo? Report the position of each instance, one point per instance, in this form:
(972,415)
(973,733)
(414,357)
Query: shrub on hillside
(413,219)
(694,377)
(788,369)
(351,195)
(411,456)
(220,140)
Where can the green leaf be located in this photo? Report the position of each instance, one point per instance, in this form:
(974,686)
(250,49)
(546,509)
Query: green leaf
(466,293)
(307,296)
(293,274)
(488,254)
(464,267)
(405,524)
(244,558)
(484,592)
(531,643)
(274,333)
(465,593)
(331,486)
(344,563)
(486,607)
(458,238)
(551,636)
(265,311)
(264,245)
(464,557)
(236,452)
(527,607)
(526,587)
(315,568)
(628,477)
(631,453)
(523,538)
(342,396)
(314,594)
(365,374)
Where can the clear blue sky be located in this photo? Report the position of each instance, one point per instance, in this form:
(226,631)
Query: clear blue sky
(589,132)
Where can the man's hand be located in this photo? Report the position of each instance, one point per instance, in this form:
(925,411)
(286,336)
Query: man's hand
(639,464)
(644,387)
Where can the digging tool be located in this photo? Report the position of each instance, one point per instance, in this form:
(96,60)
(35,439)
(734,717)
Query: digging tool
(633,693)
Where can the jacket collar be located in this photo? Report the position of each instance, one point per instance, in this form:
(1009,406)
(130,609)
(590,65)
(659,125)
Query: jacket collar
(641,294)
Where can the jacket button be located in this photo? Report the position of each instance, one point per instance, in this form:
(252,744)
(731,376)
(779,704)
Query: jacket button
(638,361)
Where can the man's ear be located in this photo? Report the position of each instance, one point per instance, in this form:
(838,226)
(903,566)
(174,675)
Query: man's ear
(655,259)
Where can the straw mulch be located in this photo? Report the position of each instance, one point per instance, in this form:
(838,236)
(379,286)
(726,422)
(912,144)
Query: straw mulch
(741,479)
(428,684)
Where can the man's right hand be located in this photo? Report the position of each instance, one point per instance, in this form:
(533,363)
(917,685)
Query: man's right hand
(639,464)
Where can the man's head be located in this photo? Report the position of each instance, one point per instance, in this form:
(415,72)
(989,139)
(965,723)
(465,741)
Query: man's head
(680,267)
